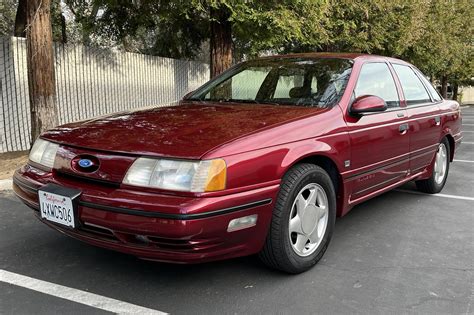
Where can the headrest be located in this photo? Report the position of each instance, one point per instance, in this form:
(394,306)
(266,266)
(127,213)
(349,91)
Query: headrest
(300,92)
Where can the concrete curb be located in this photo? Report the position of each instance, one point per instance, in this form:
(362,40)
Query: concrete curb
(6,184)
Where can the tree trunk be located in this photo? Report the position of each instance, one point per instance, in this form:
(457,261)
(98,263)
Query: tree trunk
(20,19)
(444,86)
(221,40)
(455,92)
(40,64)
(63,28)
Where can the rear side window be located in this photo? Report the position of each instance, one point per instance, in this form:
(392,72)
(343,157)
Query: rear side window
(376,79)
(414,90)
(434,94)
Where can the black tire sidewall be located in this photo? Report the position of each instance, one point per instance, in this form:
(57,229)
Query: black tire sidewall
(319,176)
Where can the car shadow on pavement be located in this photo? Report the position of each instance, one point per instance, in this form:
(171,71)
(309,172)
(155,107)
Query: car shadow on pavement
(42,246)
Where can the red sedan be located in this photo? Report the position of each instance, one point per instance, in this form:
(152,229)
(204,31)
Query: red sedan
(260,159)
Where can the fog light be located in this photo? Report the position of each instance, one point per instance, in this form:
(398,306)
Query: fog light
(242,223)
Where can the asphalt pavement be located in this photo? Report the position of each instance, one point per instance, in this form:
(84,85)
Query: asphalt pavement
(402,252)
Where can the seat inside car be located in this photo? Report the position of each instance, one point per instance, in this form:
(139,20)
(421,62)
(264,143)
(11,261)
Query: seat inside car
(300,92)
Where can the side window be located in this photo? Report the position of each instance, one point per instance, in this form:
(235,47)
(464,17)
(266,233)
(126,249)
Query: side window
(434,94)
(376,79)
(414,90)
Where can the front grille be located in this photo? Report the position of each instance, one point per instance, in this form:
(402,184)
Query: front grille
(75,177)
(191,245)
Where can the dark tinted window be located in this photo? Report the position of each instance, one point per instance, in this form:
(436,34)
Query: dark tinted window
(376,79)
(413,89)
(298,81)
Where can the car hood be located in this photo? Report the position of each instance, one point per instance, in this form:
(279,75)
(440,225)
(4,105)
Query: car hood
(185,131)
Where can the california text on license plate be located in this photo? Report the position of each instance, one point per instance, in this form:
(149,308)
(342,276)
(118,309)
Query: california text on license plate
(56,207)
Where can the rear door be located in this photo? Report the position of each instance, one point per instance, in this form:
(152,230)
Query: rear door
(379,141)
(424,118)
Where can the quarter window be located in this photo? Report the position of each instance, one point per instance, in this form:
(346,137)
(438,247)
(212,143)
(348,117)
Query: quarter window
(376,79)
(414,90)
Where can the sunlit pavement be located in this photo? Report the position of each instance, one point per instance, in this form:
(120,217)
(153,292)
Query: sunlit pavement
(398,253)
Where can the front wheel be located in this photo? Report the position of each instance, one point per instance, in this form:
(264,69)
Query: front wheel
(303,220)
(440,170)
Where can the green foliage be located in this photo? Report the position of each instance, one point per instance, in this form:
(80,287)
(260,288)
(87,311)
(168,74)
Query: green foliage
(147,26)
(436,35)
(446,47)
(277,26)
(179,28)
(7,16)
(377,26)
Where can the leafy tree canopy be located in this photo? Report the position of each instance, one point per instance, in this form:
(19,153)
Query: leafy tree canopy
(446,45)
(435,35)
(7,17)
(178,28)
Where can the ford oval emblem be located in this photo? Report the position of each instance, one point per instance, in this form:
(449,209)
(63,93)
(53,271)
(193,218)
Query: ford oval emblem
(85,163)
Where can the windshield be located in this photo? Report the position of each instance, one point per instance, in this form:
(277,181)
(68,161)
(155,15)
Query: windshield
(284,81)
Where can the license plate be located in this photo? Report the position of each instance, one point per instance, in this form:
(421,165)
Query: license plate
(57,204)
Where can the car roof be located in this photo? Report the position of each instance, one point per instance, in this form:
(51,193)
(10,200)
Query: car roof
(341,55)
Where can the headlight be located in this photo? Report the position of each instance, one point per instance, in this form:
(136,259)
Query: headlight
(44,152)
(194,176)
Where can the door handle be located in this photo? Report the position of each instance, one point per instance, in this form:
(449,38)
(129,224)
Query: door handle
(403,128)
(437,120)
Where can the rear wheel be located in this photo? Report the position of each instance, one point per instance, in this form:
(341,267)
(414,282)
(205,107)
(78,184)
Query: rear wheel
(436,182)
(303,220)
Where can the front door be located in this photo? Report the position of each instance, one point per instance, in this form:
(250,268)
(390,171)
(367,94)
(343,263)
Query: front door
(379,141)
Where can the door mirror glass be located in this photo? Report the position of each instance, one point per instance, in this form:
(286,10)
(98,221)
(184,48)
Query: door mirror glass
(368,104)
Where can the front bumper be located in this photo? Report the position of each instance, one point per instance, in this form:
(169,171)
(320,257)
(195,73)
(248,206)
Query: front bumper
(157,226)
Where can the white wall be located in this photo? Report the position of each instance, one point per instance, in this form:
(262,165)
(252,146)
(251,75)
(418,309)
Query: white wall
(467,95)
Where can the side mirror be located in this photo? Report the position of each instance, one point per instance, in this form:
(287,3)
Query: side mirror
(187,95)
(368,104)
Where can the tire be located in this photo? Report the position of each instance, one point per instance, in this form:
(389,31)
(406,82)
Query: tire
(283,248)
(435,184)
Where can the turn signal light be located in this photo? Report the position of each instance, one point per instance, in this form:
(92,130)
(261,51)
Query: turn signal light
(216,177)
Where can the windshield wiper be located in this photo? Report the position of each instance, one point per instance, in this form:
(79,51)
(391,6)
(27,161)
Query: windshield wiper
(269,103)
(235,100)
(242,101)
(248,101)
(194,99)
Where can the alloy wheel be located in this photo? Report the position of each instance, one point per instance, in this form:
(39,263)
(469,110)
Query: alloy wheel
(440,166)
(308,219)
